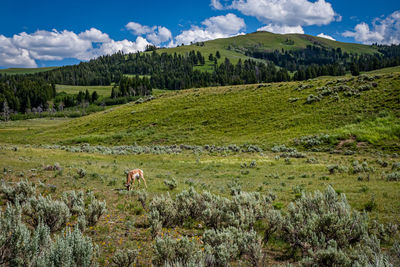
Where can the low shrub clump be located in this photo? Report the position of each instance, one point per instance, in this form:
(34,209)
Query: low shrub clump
(22,246)
(53,213)
(125,257)
(20,192)
(171,149)
(361,167)
(223,246)
(171,184)
(394,176)
(327,231)
(316,143)
(214,211)
(288,152)
(170,251)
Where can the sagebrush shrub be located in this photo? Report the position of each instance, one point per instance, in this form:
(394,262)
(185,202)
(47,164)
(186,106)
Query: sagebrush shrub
(81,173)
(166,210)
(95,209)
(243,210)
(326,229)
(361,167)
(75,202)
(125,257)
(396,166)
(223,246)
(394,176)
(171,184)
(20,246)
(70,249)
(15,238)
(53,213)
(20,192)
(235,187)
(312,99)
(168,250)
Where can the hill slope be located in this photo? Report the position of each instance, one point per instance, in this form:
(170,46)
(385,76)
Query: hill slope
(13,71)
(271,114)
(232,47)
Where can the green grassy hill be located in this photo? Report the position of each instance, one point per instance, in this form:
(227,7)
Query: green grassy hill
(232,47)
(257,114)
(235,47)
(104,91)
(13,71)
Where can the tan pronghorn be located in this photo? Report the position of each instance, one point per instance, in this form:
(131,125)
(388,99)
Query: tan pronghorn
(136,174)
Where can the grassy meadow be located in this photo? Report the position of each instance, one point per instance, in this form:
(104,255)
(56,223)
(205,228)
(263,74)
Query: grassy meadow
(232,48)
(13,71)
(125,220)
(364,122)
(263,115)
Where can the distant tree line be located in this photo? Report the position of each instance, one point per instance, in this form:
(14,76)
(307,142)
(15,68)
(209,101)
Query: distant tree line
(314,61)
(20,93)
(178,71)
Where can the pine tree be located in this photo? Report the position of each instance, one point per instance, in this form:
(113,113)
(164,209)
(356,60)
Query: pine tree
(95,96)
(87,96)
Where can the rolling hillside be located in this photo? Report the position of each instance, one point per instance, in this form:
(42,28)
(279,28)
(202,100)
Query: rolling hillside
(13,71)
(232,47)
(257,114)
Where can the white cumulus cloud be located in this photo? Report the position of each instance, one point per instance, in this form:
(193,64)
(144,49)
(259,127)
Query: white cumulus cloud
(228,24)
(53,45)
(383,31)
(159,35)
(214,27)
(322,35)
(156,34)
(21,50)
(94,35)
(11,56)
(124,46)
(282,29)
(137,28)
(216,4)
(284,12)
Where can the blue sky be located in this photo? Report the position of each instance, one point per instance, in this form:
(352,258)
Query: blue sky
(49,33)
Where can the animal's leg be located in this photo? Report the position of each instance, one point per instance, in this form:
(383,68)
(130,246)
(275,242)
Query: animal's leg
(128,181)
(144,181)
(133,181)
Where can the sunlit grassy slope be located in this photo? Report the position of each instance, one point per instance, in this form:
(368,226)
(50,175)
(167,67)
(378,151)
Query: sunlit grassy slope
(12,71)
(72,89)
(263,115)
(232,47)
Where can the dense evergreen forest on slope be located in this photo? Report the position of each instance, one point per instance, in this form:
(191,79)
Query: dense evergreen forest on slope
(176,71)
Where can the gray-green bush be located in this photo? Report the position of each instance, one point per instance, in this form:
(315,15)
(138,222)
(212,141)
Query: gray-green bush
(53,213)
(171,184)
(20,192)
(125,257)
(243,210)
(327,231)
(168,250)
(223,246)
(21,246)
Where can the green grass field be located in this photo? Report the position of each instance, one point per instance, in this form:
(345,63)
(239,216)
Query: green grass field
(265,115)
(232,47)
(105,176)
(241,114)
(13,71)
(104,91)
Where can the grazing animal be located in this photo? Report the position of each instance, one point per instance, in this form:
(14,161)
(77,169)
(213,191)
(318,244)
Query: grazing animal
(136,174)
